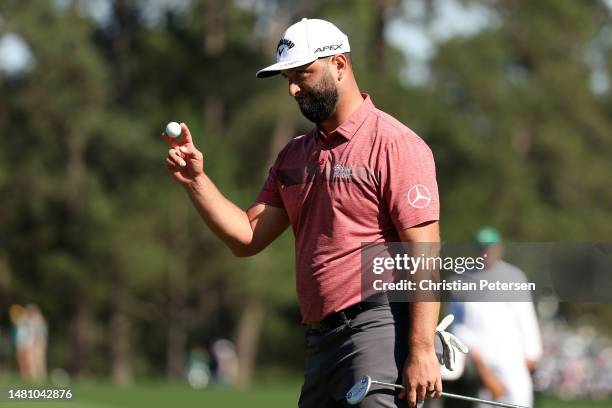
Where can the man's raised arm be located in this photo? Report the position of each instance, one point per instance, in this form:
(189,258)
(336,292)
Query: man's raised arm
(244,232)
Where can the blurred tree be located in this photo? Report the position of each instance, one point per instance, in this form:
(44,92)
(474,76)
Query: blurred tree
(53,189)
(514,110)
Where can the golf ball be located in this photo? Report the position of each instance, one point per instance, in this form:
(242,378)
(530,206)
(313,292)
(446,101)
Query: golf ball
(173,129)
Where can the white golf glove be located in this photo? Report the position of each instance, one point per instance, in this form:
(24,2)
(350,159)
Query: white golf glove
(449,344)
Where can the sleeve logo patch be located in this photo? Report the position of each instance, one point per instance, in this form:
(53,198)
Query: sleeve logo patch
(419,196)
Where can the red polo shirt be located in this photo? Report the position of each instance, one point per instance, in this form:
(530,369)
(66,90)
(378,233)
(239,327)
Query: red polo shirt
(366,180)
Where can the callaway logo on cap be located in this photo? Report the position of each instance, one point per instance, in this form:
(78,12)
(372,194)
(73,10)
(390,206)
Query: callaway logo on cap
(304,42)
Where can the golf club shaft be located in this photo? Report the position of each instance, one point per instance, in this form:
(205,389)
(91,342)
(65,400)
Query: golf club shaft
(456,396)
(465,398)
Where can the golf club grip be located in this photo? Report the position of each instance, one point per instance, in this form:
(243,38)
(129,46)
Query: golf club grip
(472,399)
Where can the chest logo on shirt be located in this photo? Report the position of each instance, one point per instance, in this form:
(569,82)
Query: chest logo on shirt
(419,196)
(343,172)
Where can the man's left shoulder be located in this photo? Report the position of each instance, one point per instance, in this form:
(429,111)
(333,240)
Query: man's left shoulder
(391,130)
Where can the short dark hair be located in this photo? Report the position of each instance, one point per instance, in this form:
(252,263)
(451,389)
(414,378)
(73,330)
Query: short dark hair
(346,54)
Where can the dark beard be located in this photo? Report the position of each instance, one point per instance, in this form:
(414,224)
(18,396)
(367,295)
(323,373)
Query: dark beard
(319,102)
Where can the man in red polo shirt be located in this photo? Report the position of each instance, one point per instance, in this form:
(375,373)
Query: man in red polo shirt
(359,176)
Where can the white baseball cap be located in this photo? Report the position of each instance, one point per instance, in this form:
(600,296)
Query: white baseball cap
(304,42)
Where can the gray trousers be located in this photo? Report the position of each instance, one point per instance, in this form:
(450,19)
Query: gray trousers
(374,343)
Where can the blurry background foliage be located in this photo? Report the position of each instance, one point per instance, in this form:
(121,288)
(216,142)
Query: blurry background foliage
(512,96)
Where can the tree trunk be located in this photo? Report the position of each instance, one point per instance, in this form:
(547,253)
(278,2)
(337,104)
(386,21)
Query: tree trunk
(247,338)
(214,15)
(177,292)
(214,111)
(120,49)
(283,132)
(381,11)
(82,322)
(249,326)
(121,368)
(177,338)
(81,338)
(214,42)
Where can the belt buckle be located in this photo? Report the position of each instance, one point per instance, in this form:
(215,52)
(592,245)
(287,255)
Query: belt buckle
(339,319)
(345,318)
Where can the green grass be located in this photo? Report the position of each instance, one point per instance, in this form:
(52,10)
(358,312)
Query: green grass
(551,402)
(164,395)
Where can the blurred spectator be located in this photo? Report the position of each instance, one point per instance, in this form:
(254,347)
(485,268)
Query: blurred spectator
(30,339)
(503,337)
(198,367)
(577,362)
(38,331)
(226,362)
(22,338)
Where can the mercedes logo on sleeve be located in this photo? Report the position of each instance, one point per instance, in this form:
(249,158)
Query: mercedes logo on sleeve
(419,196)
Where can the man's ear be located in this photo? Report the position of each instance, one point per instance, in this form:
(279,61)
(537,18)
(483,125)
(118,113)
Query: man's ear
(340,64)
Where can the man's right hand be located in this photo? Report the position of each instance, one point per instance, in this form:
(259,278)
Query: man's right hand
(244,232)
(184,161)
